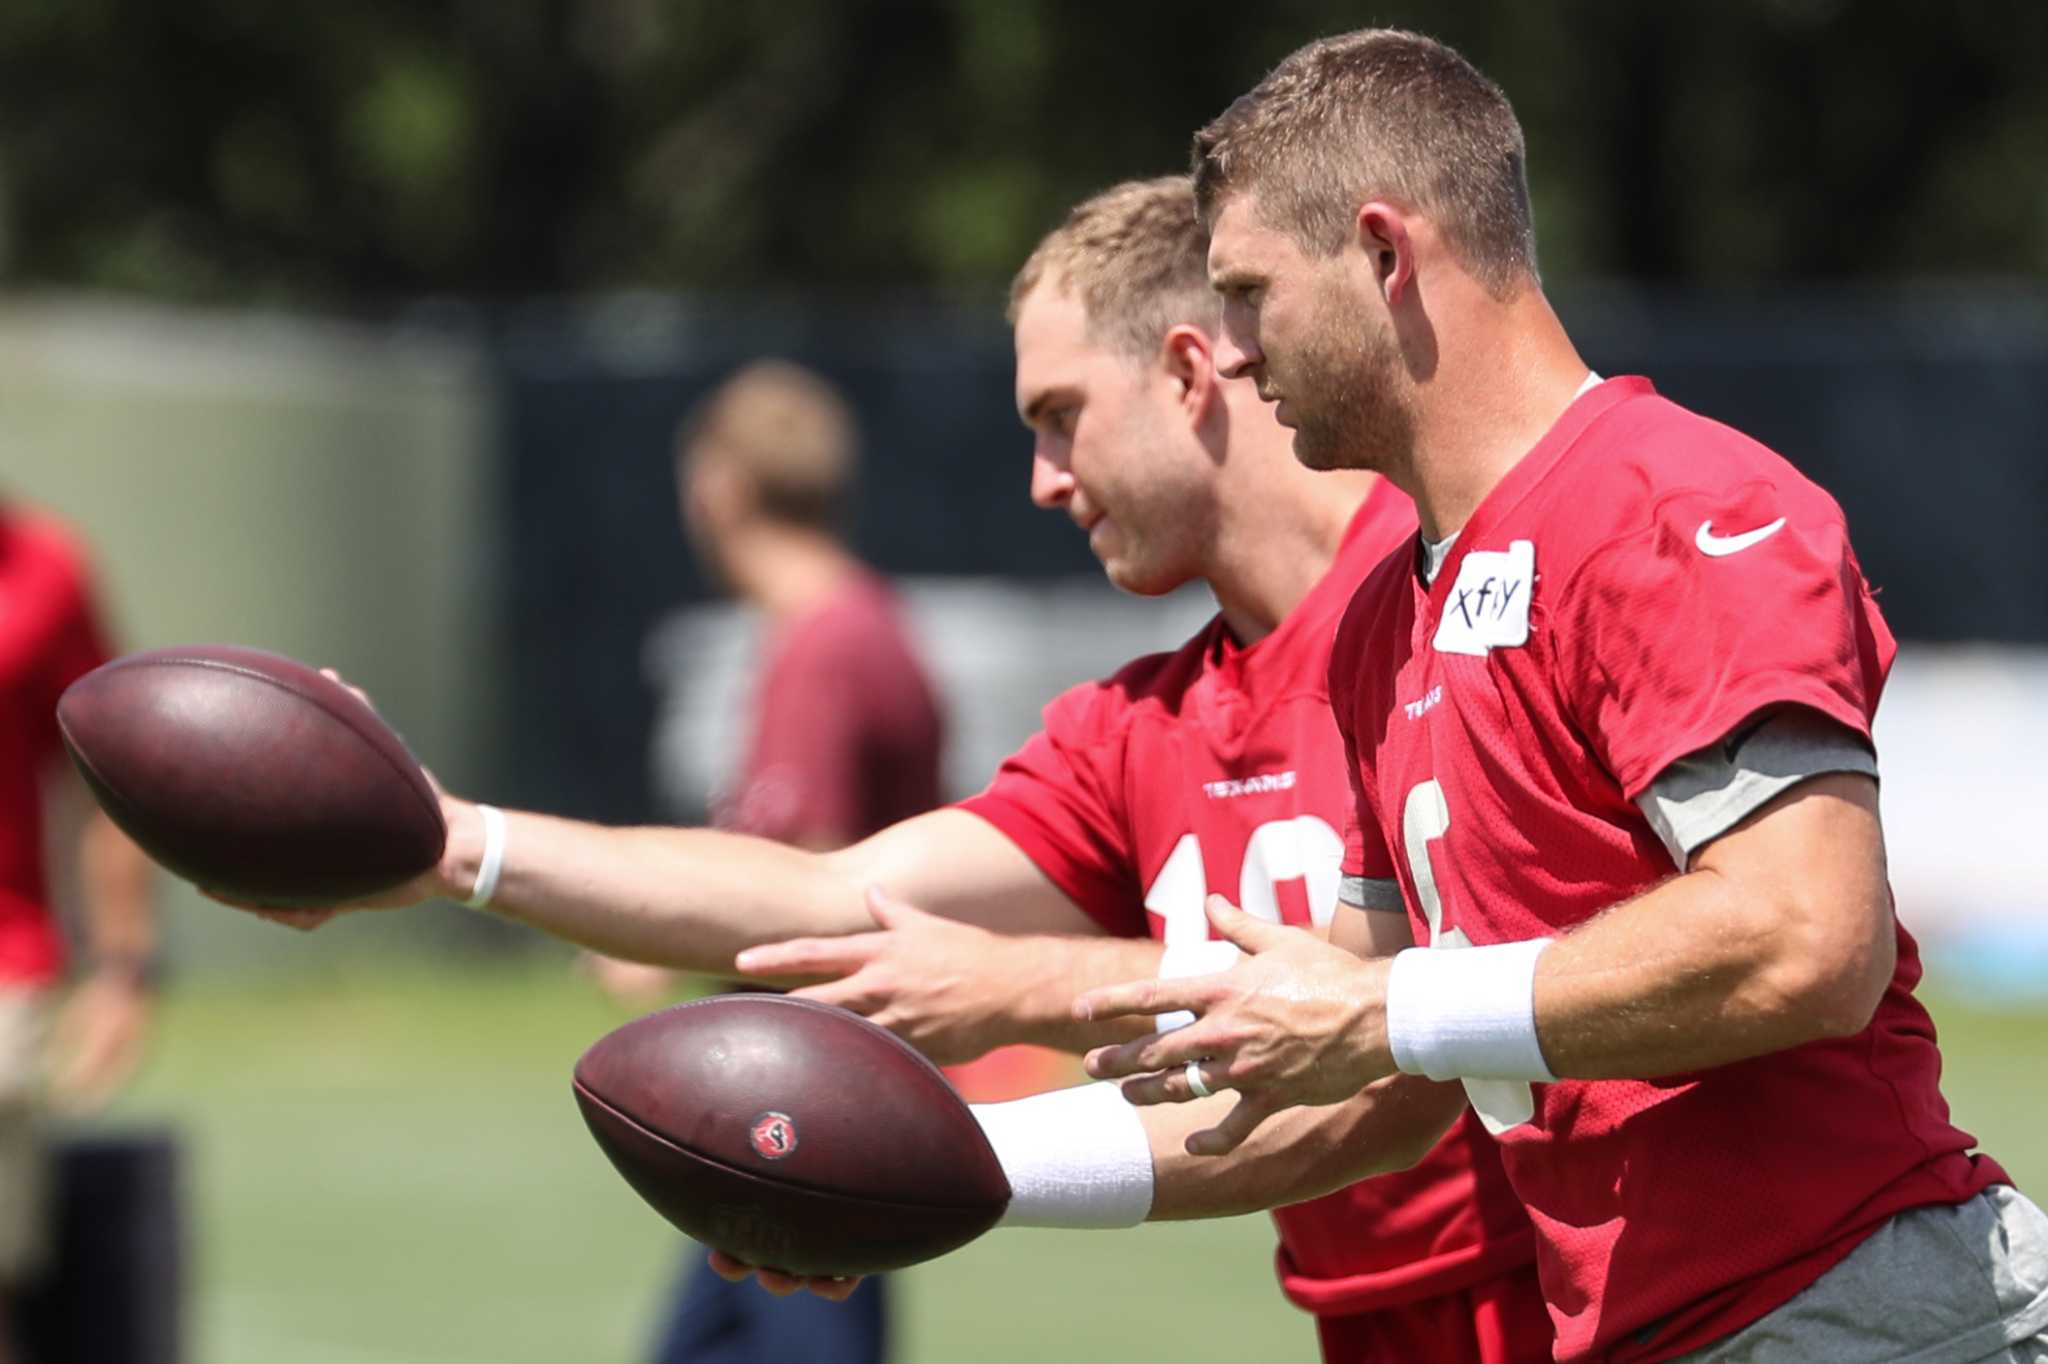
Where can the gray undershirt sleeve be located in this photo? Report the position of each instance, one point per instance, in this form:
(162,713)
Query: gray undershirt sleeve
(1365,892)
(1708,792)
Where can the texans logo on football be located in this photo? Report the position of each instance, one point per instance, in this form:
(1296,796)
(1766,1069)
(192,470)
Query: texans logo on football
(773,1135)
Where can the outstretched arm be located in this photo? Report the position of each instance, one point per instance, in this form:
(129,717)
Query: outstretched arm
(957,990)
(696,898)
(1299,1154)
(1082,1158)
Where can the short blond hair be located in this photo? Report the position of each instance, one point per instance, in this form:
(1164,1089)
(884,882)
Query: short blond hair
(1372,113)
(788,431)
(1136,257)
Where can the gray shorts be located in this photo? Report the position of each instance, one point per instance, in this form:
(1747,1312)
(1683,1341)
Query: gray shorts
(1966,1284)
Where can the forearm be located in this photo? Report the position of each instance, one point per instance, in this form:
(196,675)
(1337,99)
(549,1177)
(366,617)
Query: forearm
(1298,1154)
(1040,975)
(1084,1157)
(1782,935)
(694,898)
(1678,981)
(119,911)
(688,898)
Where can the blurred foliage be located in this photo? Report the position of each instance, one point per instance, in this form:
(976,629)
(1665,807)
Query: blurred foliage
(385,148)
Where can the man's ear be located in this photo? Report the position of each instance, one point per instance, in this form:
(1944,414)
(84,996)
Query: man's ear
(1382,233)
(1187,355)
(715,493)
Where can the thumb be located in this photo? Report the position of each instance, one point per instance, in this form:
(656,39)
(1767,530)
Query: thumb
(1252,1109)
(1249,932)
(890,912)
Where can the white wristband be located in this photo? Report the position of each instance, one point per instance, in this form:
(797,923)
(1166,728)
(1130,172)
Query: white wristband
(1466,1012)
(1205,957)
(493,861)
(1075,1157)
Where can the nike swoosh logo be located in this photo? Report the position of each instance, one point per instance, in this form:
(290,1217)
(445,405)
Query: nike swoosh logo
(1720,546)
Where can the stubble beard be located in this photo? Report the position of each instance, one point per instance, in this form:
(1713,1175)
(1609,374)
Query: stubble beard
(1346,400)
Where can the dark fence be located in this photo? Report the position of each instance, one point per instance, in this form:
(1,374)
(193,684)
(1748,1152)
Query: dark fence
(1922,411)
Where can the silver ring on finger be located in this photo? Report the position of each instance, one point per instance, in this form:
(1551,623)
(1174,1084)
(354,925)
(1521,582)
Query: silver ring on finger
(1196,1084)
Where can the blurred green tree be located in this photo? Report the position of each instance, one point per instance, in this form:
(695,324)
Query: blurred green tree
(344,155)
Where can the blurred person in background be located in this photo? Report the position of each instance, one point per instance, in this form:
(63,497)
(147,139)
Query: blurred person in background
(50,635)
(847,734)
(846,738)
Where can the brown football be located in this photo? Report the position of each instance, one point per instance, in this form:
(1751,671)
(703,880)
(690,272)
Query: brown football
(791,1134)
(251,775)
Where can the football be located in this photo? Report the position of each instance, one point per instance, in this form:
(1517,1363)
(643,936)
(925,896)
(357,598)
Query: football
(251,775)
(794,1135)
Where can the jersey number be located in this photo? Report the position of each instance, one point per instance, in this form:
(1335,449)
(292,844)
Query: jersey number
(1501,1104)
(1303,849)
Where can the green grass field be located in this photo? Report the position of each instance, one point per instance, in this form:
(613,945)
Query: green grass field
(389,1170)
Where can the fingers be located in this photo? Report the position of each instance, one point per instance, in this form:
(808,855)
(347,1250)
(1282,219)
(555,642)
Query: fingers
(730,1269)
(1178,1085)
(1147,997)
(890,912)
(734,1270)
(810,956)
(1253,1107)
(841,994)
(332,676)
(777,1282)
(780,1284)
(1161,1051)
(97,1047)
(304,920)
(1248,931)
(89,1085)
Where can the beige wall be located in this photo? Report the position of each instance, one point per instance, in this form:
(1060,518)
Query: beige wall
(318,489)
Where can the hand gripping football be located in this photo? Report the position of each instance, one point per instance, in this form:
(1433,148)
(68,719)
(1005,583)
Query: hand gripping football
(254,776)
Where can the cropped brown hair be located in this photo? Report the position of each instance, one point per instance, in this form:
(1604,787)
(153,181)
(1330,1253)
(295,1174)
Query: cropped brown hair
(1136,257)
(1380,112)
(787,431)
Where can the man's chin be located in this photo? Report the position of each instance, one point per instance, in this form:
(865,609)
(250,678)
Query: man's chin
(1126,576)
(1311,453)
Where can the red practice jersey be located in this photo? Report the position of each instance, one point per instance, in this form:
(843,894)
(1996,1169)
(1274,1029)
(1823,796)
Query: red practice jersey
(847,733)
(1217,769)
(49,637)
(1641,586)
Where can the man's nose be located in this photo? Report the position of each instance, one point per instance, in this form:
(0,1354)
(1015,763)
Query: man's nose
(1051,483)
(1234,356)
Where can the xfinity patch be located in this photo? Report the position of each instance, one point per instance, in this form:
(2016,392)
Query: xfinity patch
(1488,606)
